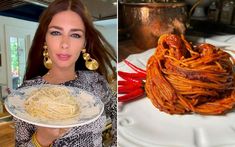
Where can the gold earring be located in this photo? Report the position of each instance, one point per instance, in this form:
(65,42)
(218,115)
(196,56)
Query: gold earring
(90,63)
(46,60)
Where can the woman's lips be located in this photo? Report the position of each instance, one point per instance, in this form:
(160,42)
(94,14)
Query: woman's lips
(63,57)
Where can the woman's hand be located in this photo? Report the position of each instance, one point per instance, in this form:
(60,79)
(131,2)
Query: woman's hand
(45,136)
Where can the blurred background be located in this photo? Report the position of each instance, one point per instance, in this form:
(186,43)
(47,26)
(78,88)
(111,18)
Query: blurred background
(141,22)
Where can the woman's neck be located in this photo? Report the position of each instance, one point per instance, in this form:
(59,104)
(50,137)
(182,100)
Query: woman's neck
(57,77)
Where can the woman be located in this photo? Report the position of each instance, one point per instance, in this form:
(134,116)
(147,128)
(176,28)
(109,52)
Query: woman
(65,49)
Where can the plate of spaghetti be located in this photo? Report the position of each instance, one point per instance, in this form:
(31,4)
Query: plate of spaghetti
(189,97)
(54,106)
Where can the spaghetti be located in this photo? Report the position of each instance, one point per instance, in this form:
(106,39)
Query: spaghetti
(182,78)
(52,103)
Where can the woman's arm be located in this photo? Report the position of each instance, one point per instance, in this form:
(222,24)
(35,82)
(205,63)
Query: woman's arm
(23,133)
(110,99)
(111,110)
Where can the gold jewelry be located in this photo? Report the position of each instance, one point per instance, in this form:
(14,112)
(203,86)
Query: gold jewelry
(46,60)
(90,63)
(35,141)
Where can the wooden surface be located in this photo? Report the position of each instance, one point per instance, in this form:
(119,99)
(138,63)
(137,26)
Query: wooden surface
(4,114)
(7,134)
(7,131)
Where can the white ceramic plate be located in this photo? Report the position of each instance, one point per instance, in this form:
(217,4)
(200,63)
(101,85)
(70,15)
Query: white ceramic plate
(140,124)
(91,107)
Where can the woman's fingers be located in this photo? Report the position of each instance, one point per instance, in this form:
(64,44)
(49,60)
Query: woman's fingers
(63,131)
(52,133)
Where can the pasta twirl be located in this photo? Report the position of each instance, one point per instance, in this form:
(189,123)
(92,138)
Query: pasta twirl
(182,78)
(52,103)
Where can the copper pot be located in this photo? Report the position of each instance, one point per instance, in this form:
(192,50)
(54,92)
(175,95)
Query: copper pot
(147,21)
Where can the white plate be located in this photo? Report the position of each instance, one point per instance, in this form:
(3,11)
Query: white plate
(91,107)
(140,124)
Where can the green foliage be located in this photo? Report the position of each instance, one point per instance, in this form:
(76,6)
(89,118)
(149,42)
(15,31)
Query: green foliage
(14,57)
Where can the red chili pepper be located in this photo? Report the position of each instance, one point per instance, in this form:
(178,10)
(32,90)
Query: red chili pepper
(131,96)
(137,76)
(135,68)
(128,88)
(128,77)
(135,83)
(123,82)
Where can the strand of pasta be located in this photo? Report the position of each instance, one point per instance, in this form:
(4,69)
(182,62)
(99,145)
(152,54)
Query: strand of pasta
(52,103)
(182,78)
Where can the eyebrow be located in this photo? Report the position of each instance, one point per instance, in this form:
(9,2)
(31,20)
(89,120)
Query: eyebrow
(72,30)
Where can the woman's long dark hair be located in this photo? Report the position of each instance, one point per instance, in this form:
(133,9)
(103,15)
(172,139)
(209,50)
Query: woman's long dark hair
(96,45)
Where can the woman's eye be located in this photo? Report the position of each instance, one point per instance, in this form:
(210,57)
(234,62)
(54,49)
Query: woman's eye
(76,35)
(55,33)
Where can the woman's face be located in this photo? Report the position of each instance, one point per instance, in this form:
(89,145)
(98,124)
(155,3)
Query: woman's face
(65,39)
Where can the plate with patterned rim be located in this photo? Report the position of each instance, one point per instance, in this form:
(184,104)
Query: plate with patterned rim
(140,124)
(90,107)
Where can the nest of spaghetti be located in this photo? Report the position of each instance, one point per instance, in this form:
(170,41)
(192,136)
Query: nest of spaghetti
(182,78)
(52,103)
